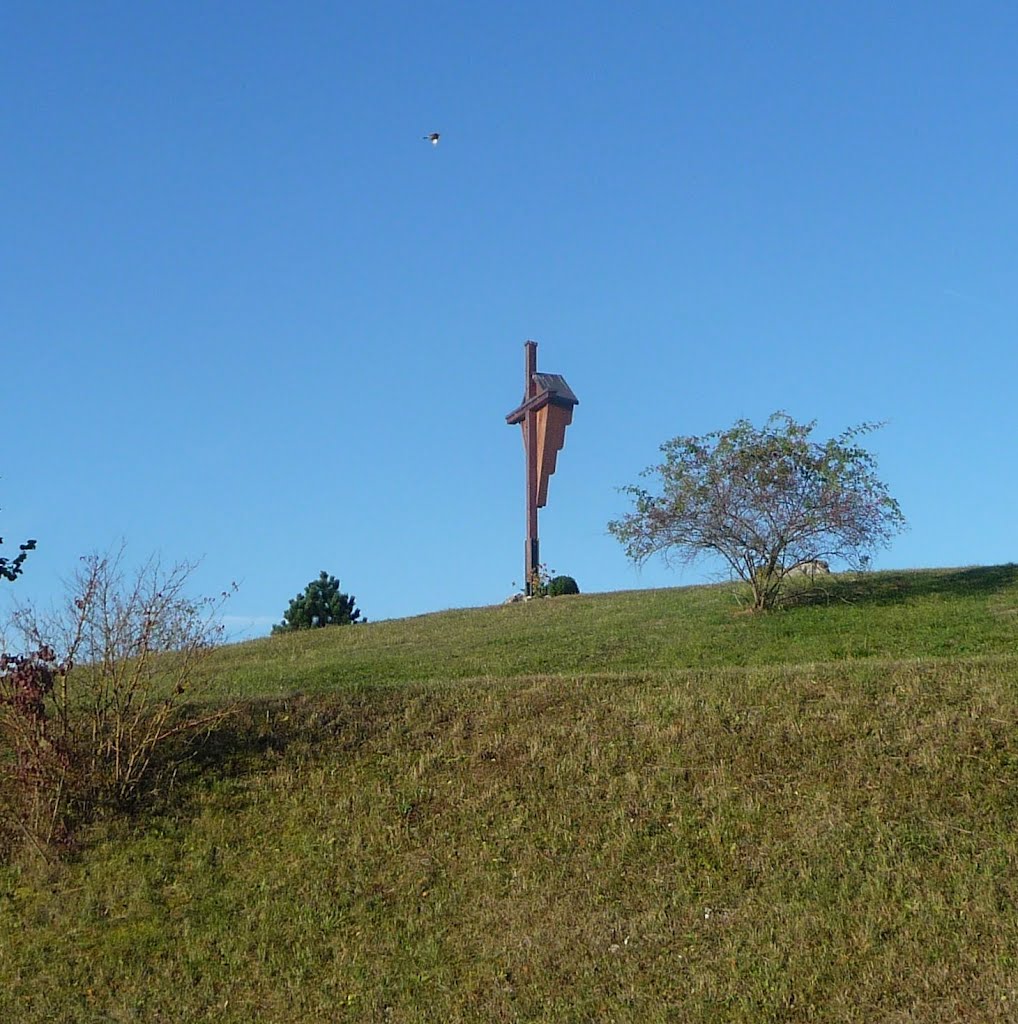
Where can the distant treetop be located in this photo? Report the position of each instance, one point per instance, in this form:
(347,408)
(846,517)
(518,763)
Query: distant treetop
(321,604)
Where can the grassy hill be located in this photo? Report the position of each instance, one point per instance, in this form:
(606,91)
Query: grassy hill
(643,806)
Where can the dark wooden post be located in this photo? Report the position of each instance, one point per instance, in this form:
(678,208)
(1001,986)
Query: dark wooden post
(532,552)
(544,414)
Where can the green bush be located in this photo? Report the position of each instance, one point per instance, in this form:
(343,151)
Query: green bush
(321,604)
(560,585)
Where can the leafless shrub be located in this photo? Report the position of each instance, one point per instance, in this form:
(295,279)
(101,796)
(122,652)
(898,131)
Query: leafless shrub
(109,682)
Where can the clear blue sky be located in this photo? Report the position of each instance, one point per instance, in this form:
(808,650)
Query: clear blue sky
(248,315)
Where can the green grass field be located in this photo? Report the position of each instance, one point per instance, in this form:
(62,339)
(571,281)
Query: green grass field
(644,806)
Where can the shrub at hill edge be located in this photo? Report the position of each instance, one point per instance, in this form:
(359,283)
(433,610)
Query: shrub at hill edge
(89,715)
(559,586)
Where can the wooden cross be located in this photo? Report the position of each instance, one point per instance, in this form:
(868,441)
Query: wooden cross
(544,414)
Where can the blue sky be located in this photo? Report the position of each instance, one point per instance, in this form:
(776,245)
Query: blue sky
(249,316)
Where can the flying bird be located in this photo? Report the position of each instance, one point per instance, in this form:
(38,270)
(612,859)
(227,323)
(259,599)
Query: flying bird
(433,138)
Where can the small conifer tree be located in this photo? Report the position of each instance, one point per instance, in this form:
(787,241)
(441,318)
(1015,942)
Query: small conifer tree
(321,604)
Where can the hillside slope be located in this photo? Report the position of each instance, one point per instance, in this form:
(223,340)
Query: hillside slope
(890,615)
(632,807)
